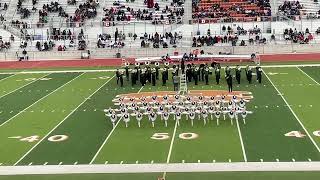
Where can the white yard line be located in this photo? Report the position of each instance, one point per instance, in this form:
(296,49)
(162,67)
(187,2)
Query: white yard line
(64,119)
(308,76)
(294,114)
(108,137)
(158,168)
(170,149)
(8,76)
(39,100)
(113,70)
(104,143)
(24,85)
(242,145)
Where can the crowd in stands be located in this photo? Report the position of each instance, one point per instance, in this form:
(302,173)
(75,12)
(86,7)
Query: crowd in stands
(105,40)
(230,11)
(290,8)
(230,36)
(24,12)
(159,40)
(298,36)
(5,44)
(84,11)
(3,6)
(121,12)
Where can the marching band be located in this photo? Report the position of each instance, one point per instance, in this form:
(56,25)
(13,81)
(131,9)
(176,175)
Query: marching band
(178,106)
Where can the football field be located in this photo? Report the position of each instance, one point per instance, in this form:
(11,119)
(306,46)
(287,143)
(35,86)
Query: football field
(57,118)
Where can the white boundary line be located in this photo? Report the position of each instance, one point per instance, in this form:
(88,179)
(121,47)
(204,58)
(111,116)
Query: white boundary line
(159,168)
(308,76)
(294,114)
(108,137)
(63,120)
(24,85)
(242,144)
(39,100)
(113,70)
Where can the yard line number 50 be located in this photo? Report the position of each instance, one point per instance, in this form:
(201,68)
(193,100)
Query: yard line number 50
(165,136)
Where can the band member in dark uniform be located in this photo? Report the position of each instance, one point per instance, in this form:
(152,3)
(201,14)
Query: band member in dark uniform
(259,74)
(229,82)
(238,74)
(182,65)
(127,71)
(206,75)
(195,75)
(164,77)
(157,70)
(153,77)
(249,75)
(121,79)
(143,77)
(133,77)
(217,73)
(118,75)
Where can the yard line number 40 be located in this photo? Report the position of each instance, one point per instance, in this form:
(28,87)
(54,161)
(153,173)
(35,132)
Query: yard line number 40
(34,138)
(299,134)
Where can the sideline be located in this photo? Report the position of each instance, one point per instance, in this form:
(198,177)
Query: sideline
(150,168)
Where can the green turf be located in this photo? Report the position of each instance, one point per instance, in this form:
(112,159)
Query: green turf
(4,76)
(80,90)
(46,114)
(87,128)
(302,93)
(14,82)
(18,100)
(176,176)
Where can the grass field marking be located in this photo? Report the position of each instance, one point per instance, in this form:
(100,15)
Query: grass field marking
(24,85)
(7,77)
(294,114)
(24,110)
(309,76)
(241,141)
(170,149)
(105,141)
(63,119)
(108,137)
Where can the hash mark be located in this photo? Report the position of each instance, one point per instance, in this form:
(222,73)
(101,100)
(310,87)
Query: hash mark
(106,162)
(293,160)
(229,160)
(137,162)
(75,163)
(30,164)
(277,160)
(198,161)
(60,163)
(152,162)
(261,160)
(214,161)
(121,162)
(309,159)
(0,164)
(45,163)
(182,161)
